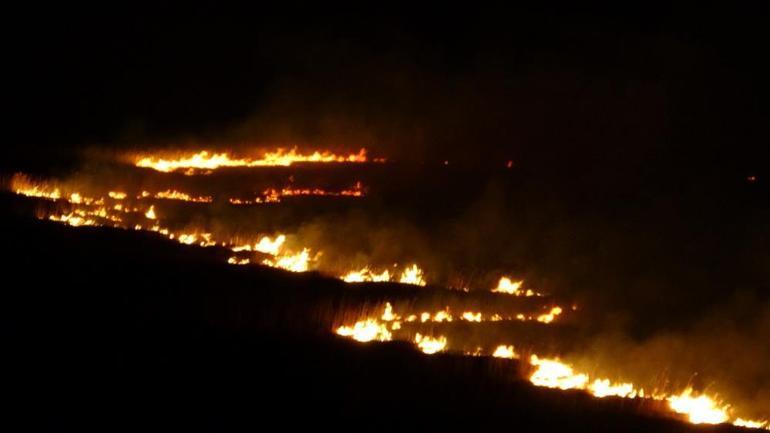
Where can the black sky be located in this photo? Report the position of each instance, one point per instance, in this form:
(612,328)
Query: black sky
(549,88)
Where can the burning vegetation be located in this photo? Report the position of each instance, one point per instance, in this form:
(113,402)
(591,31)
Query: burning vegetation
(432,329)
(204,162)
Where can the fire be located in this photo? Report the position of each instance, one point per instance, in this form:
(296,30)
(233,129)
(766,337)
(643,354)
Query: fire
(365,274)
(237,261)
(550,316)
(740,422)
(430,345)
(471,316)
(505,352)
(171,194)
(204,160)
(291,262)
(604,388)
(21,184)
(505,285)
(365,331)
(552,373)
(202,239)
(412,275)
(273,195)
(270,246)
(355,191)
(510,287)
(265,245)
(116,208)
(387,313)
(699,410)
(73,220)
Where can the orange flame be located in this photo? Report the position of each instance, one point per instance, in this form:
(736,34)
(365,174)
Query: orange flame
(203,160)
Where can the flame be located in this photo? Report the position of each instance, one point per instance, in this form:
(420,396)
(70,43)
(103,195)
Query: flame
(21,184)
(365,274)
(505,285)
(355,191)
(291,262)
(412,275)
(272,195)
(505,352)
(550,316)
(510,287)
(471,316)
(203,160)
(171,194)
(699,410)
(365,331)
(73,220)
(237,261)
(552,373)
(430,345)
(741,422)
(270,246)
(265,245)
(150,214)
(604,388)
(387,313)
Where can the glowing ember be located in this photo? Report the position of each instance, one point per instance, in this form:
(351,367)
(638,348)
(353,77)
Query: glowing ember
(699,410)
(205,161)
(505,352)
(430,345)
(365,331)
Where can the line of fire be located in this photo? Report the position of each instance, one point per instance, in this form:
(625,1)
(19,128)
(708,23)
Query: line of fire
(447,314)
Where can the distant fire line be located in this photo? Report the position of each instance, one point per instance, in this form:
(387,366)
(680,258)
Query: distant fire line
(207,161)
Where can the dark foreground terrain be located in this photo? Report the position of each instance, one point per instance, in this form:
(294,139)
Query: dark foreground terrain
(109,330)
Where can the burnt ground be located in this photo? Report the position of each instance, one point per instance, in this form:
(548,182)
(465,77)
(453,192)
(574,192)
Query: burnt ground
(109,329)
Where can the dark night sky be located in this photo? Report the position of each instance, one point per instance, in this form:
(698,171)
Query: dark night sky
(568,88)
